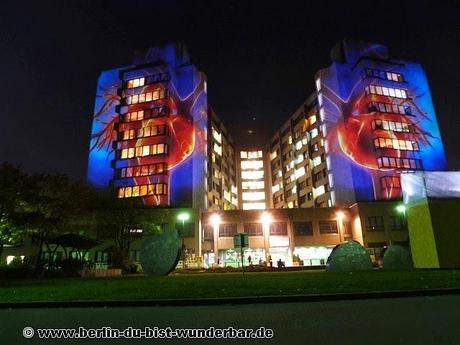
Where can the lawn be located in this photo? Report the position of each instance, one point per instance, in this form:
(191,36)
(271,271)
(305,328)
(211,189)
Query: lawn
(223,285)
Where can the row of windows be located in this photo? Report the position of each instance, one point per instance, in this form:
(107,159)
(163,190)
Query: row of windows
(375,223)
(143,170)
(393,126)
(147,96)
(387,182)
(385,91)
(399,163)
(144,132)
(142,151)
(143,190)
(375,73)
(155,78)
(145,114)
(397,144)
(132,83)
(389,108)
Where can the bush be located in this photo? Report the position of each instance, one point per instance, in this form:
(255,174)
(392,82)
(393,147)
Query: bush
(71,267)
(349,256)
(17,269)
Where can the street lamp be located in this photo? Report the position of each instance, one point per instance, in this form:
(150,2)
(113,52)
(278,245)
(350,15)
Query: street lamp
(401,209)
(266,219)
(340,215)
(215,219)
(183,217)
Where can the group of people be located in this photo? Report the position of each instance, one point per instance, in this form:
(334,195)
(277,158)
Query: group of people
(279,263)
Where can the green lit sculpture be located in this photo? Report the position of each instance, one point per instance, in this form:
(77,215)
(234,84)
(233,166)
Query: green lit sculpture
(349,256)
(160,253)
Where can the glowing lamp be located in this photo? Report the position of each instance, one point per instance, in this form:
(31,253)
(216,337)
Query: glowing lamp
(266,218)
(401,208)
(340,215)
(183,217)
(215,219)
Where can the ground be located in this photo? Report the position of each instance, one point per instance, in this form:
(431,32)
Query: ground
(393,321)
(223,285)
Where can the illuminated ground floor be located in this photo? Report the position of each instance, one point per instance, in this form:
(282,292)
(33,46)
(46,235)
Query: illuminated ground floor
(277,237)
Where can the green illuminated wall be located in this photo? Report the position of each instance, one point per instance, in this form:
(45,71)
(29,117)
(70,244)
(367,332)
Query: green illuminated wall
(434,233)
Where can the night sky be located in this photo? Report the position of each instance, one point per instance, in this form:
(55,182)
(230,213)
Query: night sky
(259,58)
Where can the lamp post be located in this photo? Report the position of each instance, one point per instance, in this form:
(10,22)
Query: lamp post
(340,216)
(183,217)
(266,219)
(215,221)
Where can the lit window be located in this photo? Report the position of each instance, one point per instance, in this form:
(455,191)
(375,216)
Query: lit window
(253,196)
(245,165)
(254,206)
(316,161)
(252,185)
(314,133)
(252,175)
(299,172)
(275,188)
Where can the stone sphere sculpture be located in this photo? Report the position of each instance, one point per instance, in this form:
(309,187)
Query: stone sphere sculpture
(160,253)
(349,256)
(397,257)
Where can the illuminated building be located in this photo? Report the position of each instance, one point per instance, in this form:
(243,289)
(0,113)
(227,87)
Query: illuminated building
(331,172)
(378,120)
(153,132)
(252,179)
(222,171)
(299,176)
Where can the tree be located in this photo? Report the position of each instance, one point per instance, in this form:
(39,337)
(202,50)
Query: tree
(123,221)
(12,182)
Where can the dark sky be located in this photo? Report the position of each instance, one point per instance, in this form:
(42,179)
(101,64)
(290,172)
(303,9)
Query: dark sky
(259,57)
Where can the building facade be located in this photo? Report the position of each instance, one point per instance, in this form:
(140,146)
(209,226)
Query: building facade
(377,117)
(155,138)
(330,173)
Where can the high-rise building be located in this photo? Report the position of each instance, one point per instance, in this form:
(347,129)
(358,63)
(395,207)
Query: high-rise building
(253,177)
(370,120)
(378,120)
(150,135)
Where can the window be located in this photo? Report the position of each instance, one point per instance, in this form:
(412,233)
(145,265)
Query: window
(142,151)
(393,126)
(252,185)
(143,190)
(135,83)
(385,91)
(375,73)
(396,144)
(253,205)
(314,133)
(303,228)
(317,161)
(374,223)
(143,170)
(253,229)
(398,222)
(147,97)
(253,196)
(227,230)
(252,175)
(388,182)
(389,108)
(252,165)
(144,132)
(399,163)
(208,232)
(328,227)
(278,229)
(145,114)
